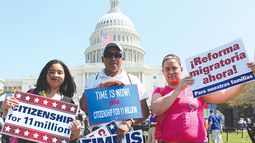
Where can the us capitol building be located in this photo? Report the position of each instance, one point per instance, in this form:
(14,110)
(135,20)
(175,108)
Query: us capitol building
(122,30)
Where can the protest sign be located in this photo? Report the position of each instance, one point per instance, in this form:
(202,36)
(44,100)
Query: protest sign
(113,103)
(219,68)
(105,130)
(40,119)
(131,137)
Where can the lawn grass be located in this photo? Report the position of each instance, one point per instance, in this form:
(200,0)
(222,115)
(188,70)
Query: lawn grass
(235,137)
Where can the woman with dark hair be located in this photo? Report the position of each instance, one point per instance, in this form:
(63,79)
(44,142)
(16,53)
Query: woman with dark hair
(55,82)
(180,116)
(44,84)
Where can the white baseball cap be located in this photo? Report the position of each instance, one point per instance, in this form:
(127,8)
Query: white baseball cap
(113,44)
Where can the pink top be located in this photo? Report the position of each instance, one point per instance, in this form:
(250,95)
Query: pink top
(183,121)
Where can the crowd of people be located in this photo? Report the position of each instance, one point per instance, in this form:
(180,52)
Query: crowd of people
(176,116)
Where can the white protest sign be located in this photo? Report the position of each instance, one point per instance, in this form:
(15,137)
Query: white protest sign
(106,130)
(219,68)
(131,137)
(40,119)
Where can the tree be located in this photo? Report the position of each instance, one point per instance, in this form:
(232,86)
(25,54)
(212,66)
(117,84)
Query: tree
(244,103)
(246,97)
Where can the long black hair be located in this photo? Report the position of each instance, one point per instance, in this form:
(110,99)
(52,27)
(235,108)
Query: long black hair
(68,88)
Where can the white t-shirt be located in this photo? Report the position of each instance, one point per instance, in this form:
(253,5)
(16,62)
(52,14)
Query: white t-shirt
(94,81)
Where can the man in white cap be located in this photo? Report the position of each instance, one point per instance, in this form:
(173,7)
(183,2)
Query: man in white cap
(112,75)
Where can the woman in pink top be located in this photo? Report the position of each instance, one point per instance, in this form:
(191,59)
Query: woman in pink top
(180,115)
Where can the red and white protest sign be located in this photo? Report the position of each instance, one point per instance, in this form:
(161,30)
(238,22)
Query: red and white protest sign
(106,130)
(135,136)
(107,133)
(219,68)
(40,119)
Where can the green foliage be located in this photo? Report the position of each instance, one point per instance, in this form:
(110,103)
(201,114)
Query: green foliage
(246,97)
(244,103)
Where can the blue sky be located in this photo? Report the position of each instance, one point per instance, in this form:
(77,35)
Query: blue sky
(32,32)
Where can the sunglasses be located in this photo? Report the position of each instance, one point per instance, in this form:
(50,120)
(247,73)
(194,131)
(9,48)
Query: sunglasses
(116,55)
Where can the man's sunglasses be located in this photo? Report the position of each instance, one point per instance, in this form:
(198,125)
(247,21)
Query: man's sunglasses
(116,55)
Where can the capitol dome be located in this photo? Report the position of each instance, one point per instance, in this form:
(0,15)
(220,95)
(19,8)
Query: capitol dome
(115,19)
(121,29)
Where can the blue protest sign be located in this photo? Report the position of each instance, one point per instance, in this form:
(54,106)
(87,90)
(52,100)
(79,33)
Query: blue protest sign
(113,103)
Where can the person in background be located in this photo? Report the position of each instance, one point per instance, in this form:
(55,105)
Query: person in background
(152,127)
(253,118)
(251,127)
(55,82)
(114,75)
(180,116)
(214,124)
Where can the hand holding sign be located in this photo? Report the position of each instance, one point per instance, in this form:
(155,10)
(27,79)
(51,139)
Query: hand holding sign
(110,83)
(122,131)
(251,65)
(75,129)
(9,102)
(184,82)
